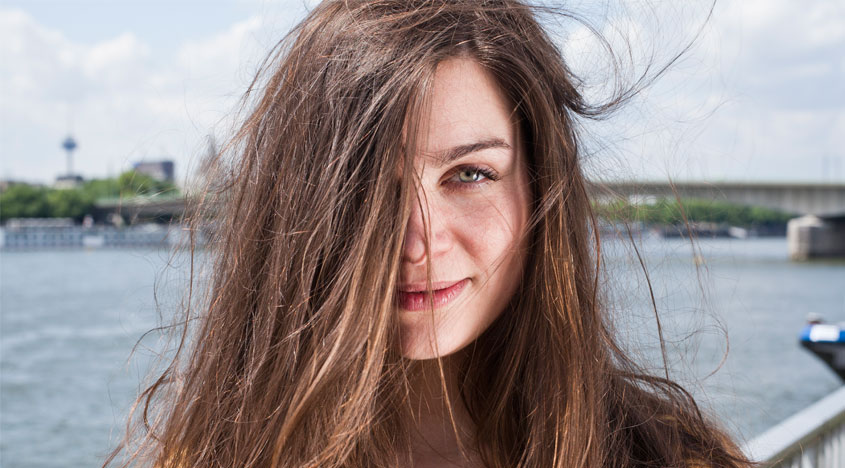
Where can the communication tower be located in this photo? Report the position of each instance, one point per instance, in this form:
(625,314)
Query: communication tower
(69,145)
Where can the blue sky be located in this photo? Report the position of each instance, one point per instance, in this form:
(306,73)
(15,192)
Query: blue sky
(759,97)
(160,23)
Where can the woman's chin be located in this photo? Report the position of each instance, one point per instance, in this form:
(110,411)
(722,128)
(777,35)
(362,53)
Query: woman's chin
(418,344)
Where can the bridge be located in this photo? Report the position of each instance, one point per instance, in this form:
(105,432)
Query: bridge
(159,208)
(817,231)
(821,200)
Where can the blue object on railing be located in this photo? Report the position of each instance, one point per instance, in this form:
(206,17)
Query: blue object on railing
(826,341)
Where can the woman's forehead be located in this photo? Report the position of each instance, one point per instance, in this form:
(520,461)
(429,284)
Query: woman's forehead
(467,110)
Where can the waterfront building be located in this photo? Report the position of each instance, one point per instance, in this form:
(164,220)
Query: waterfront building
(159,170)
(68,181)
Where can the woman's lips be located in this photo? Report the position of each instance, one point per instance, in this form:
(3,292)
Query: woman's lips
(411,300)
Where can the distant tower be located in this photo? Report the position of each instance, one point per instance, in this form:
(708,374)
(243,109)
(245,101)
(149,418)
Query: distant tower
(69,180)
(69,145)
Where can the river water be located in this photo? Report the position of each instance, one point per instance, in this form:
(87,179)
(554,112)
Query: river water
(70,319)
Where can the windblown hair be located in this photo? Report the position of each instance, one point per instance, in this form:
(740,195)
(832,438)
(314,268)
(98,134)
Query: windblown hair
(292,360)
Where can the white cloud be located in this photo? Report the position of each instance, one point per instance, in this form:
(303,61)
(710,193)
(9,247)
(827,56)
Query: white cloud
(123,103)
(218,54)
(759,96)
(116,62)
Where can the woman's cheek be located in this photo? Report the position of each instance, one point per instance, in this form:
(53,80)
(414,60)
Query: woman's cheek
(488,234)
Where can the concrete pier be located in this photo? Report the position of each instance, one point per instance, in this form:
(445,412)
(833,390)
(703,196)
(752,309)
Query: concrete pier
(811,237)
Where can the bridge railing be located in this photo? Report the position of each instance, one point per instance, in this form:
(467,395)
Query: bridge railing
(812,438)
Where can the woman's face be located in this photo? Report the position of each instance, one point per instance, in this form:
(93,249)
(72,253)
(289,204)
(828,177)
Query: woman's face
(473,194)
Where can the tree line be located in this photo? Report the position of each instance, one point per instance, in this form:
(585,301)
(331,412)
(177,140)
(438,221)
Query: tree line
(32,201)
(671,212)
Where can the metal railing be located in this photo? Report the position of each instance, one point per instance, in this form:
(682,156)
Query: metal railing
(812,438)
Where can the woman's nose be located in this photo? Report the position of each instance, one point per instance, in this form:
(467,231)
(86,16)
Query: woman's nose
(425,216)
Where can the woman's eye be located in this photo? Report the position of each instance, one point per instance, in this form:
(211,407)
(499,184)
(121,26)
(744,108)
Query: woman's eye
(470,176)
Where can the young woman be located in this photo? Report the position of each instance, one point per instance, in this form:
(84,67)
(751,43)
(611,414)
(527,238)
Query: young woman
(406,272)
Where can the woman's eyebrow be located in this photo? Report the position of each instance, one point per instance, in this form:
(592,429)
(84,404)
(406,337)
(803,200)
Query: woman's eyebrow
(456,152)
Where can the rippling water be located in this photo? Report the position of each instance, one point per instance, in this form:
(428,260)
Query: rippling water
(740,296)
(70,318)
(69,321)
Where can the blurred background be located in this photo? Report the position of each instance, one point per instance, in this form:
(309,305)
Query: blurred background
(107,108)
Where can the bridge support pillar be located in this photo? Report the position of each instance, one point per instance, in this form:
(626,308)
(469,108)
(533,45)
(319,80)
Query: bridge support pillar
(813,237)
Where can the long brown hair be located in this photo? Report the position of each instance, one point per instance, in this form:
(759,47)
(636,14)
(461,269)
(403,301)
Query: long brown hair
(291,358)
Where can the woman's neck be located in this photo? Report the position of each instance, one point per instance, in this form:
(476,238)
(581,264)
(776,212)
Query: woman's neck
(442,432)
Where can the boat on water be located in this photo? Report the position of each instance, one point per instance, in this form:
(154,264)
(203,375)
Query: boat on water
(827,341)
(61,233)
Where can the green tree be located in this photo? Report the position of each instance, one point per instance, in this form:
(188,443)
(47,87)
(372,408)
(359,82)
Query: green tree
(28,201)
(668,212)
(101,188)
(70,203)
(133,183)
(24,201)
